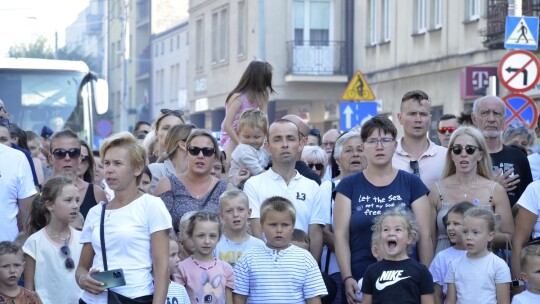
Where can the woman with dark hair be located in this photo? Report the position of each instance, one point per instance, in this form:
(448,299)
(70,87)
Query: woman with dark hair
(196,189)
(361,196)
(251,92)
(165,120)
(88,164)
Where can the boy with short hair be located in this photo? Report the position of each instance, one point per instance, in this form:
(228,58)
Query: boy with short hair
(250,154)
(530,266)
(234,213)
(11,269)
(279,272)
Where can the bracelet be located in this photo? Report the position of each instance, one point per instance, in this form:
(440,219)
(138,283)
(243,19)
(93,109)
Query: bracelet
(349,277)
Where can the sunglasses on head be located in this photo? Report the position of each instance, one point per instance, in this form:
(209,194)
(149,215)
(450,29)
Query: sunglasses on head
(61,153)
(468,149)
(175,112)
(70,264)
(317,167)
(205,151)
(444,130)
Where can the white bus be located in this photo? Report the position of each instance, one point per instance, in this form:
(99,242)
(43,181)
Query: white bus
(54,93)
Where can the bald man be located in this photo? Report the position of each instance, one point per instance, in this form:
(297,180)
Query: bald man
(303,129)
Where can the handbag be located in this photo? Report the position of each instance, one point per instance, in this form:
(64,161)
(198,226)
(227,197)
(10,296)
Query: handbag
(114,297)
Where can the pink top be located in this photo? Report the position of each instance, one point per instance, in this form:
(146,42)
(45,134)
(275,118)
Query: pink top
(245,106)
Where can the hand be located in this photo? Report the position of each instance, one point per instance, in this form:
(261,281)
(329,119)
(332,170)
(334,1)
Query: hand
(508,182)
(240,177)
(351,289)
(87,283)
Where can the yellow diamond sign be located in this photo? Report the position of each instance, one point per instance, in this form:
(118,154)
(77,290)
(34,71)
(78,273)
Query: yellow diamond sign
(358,89)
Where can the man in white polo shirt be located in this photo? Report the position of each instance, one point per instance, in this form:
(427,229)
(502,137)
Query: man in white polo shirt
(282,179)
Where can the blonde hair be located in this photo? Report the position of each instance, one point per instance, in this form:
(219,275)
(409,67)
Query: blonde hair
(527,252)
(484,167)
(175,135)
(277,204)
(182,226)
(408,218)
(126,140)
(484,214)
(316,152)
(254,118)
(232,194)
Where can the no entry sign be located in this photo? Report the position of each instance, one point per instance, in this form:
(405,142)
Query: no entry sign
(521,108)
(518,71)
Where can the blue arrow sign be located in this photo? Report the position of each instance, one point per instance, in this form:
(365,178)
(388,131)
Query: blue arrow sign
(521,33)
(355,113)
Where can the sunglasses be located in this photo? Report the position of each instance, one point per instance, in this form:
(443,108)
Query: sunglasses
(61,153)
(318,167)
(468,148)
(415,167)
(205,151)
(444,130)
(84,158)
(175,112)
(70,264)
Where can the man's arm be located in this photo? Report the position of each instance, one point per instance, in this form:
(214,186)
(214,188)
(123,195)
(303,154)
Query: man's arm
(24,209)
(315,241)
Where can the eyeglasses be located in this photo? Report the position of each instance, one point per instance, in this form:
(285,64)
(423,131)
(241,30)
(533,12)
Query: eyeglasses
(84,158)
(315,132)
(205,151)
(70,264)
(373,142)
(444,130)
(318,167)
(328,143)
(468,148)
(61,153)
(175,112)
(415,167)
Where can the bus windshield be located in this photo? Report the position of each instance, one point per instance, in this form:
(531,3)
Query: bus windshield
(37,98)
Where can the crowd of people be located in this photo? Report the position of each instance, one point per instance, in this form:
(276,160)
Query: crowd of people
(273,212)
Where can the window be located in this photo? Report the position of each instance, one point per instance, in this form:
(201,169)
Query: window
(436,14)
(156,51)
(113,57)
(420,17)
(242,29)
(119,54)
(472,10)
(386,21)
(199,44)
(372,22)
(178,41)
(171,44)
(311,22)
(220,19)
(162,47)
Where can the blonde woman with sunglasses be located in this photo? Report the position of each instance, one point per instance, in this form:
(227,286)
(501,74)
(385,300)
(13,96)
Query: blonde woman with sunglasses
(467,176)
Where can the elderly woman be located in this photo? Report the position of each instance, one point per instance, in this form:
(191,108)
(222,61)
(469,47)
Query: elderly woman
(196,189)
(166,120)
(518,135)
(315,158)
(467,176)
(349,157)
(132,231)
(363,195)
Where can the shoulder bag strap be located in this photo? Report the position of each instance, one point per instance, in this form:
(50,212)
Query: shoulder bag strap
(210,195)
(102,237)
(328,251)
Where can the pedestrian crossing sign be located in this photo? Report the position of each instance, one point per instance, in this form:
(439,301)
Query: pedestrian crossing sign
(521,33)
(358,89)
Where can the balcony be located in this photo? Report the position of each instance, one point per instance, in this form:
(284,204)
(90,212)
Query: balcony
(316,61)
(143,63)
(143,12)
(496,20)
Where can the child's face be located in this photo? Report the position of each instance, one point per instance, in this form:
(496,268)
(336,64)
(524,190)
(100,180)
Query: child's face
(217,169)
(173,257)
(11,268)
(454,228)
(145,183)
(395,238)
(252,136)
(476,236)
(205,238)
(278,229)
(66,206)
(234,213)
(531,275)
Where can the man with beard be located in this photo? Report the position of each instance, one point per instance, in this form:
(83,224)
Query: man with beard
(510,166)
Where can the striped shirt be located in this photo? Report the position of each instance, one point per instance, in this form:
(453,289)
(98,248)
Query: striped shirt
(288,276)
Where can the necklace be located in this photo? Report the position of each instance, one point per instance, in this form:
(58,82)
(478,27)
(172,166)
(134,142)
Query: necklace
(202,194)
(58,237)
(465,193)
(204,268)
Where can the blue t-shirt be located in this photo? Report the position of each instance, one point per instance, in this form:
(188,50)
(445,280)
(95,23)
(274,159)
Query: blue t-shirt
(369,201)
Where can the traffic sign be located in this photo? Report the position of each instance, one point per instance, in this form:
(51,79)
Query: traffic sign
(521,108)
(518,71)
(104,127)
(356,113)
(521,33)
(358,89)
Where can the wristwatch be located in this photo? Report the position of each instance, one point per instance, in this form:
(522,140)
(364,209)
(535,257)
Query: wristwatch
(517,283)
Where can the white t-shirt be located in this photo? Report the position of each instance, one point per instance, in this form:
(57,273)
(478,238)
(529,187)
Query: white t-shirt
(229,251)
(301,191)
(50,268)
(530,200)
(177,294)
(441,262)
(16,182)
(245,156)
(127,239)
(475,279)
(534,162)
(526,297)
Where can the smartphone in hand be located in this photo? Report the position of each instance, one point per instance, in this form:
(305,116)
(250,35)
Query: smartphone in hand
(111,278)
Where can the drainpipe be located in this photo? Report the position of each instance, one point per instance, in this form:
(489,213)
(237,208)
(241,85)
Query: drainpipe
(349,38)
